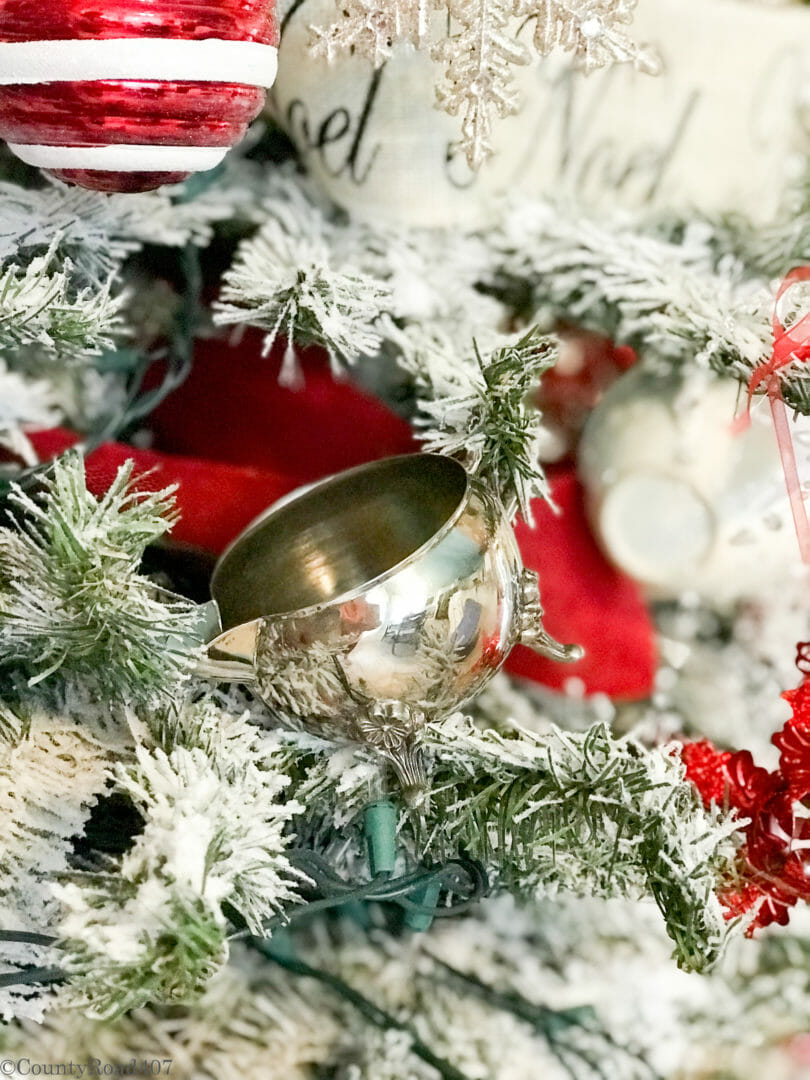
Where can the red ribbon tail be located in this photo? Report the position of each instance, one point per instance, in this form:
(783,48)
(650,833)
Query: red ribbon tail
(787,453)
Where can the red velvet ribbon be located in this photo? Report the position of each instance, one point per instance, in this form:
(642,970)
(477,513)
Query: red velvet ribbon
(789,344)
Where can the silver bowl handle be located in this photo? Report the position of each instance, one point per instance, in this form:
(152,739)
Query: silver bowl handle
(532,632)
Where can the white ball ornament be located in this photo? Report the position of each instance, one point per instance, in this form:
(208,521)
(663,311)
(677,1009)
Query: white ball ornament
(680,500)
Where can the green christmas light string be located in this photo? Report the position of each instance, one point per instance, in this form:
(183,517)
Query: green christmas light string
(417,891)
(367,1008)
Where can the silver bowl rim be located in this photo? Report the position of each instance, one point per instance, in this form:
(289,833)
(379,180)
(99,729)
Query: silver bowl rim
(471,485)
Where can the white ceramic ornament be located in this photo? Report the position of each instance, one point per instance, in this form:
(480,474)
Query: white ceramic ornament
(374,139)
(678,499)
(719,129)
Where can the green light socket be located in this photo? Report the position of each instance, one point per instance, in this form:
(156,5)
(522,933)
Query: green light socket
(427,897)
(380,826)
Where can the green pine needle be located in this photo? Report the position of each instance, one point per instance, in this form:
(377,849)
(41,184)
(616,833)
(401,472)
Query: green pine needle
(170,963)
(71,598)
(589,813)
(480,410)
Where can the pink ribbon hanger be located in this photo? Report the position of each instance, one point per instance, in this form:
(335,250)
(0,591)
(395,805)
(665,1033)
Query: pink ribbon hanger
(789,345)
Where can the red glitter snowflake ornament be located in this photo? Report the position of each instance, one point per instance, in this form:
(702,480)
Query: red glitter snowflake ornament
(126,95)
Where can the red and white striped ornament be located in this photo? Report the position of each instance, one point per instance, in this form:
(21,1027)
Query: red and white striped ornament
(126,95)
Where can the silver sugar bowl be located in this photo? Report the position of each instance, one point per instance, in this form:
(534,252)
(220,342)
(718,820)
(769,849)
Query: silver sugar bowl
(375,600)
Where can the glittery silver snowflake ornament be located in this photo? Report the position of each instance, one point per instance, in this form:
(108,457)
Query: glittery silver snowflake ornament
(477,45)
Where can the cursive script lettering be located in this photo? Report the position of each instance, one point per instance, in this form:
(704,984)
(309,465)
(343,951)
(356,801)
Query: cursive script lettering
(565,143)
(339,140)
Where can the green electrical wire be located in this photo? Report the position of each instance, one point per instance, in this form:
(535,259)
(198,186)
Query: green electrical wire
(377,1016)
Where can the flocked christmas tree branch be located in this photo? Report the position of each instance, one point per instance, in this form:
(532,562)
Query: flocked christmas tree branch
(71,597)
(477,407)
(682,293)
(674,301)
(62,248)
(256,1019)
(40,306)
(65,304)
(291,279)
(584,813)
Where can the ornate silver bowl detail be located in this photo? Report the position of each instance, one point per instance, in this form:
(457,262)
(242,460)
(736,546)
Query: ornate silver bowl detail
(375,599)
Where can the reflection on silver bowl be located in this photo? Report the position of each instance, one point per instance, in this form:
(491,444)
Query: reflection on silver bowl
(375,599)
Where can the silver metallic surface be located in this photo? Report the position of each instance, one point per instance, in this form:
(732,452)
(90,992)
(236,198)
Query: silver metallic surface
(376,599)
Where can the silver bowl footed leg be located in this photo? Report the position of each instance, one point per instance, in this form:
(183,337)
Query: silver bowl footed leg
(409,765)
(390,727)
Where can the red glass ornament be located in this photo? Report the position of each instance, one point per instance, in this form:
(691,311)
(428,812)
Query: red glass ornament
(803,657)
(196,72)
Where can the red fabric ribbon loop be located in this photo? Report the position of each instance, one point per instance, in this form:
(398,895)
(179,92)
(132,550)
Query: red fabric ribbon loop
(789,344)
